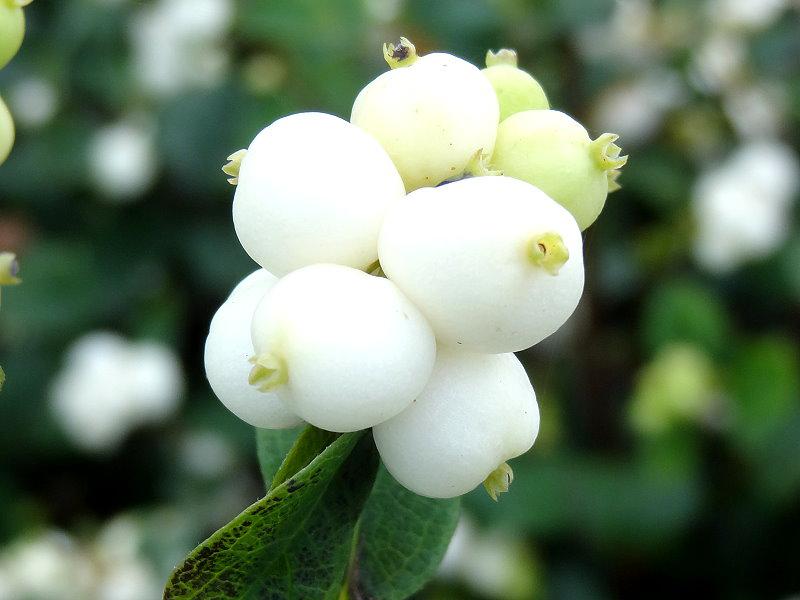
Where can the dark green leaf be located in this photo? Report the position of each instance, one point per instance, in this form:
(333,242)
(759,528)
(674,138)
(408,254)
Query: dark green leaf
(402,540)
(294,543)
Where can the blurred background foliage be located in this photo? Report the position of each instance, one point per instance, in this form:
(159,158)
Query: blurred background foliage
(669,455)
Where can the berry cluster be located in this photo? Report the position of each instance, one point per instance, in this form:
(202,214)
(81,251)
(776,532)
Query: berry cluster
(12,31)
(406,255)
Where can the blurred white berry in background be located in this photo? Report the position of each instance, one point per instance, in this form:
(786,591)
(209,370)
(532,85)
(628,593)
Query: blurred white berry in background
(52,565)
(746,14)
(122,159)
(48,566)
(109,386)
(206,454)
(635,110)
(718,62)
(178,44)
(33,100)
(627,36)
(121,571)
(742,207)
(133,580)
(384,11)
(493,564)
(757,109)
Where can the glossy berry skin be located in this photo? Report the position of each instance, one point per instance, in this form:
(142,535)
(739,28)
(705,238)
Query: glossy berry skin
(313,188)
(228,350)
(343,349)
(465,254)
(477,411)
(12,29)
(6,132)
(552,151)
(432,117)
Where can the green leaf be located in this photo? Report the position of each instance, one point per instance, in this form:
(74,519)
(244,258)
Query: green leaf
(402,540)
(294,543)
(310,443)
(272,446)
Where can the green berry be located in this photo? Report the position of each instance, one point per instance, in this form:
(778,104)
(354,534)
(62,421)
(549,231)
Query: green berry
(12,28)
(553,151)
(6,131)
(516,89)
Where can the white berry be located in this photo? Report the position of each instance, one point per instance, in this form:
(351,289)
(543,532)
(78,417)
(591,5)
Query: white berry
(477,411)
(312,188)
(228,350)
(431,116)
(492,262)
(343,349)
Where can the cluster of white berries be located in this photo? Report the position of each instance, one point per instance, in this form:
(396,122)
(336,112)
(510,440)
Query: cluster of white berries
(401,269)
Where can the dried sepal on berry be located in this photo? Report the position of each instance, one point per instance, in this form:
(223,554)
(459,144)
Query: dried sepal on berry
(401,54)
(499,481)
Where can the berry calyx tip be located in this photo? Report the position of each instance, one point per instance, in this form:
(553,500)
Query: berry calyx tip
(478,166)
(269,372)
(613,184)
(374,268)
(233,165)
(499,481)
(9,268)
(402,54)
(606,154)
(549,252)
(505,56)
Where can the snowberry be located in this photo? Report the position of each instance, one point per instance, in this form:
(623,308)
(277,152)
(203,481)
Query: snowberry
(343,349)
(492,262)
(228,350)
(12,28)
(554,152)
(477,411)
(516,89)
(6,131)
(312,188)
(432,114)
